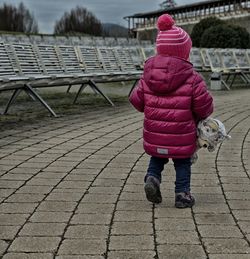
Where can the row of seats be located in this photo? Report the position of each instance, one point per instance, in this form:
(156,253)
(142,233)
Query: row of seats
(215,60)
(229,62)
(27,66)
(219,62)
(224,61)
(73,40)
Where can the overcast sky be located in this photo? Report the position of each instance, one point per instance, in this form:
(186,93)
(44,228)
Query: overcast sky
(47,12)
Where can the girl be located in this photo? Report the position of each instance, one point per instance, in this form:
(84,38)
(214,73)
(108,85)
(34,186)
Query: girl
(173,98)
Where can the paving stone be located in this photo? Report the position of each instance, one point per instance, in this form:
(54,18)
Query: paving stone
(16,177)
(50,175)
(39,165)
(229,256)
(245,226)
(41,181)
(211,207)
(50,217)
(42,229)
(7,161)
(115,175)
(80,257)
(131,255)
(7,167)
(134,188)
(62,206)
(83,171)
(6,192)
(134,205)
(59,163)
(87,231)
(241,187)
(80,177)
(226,245)
(242,215)
(233,181)
(133,228)
(177,237)
(183,224)
(74,184)
(127,196)
(205,182)
(218,231)
(131,242)
(3,246)
(87,165)
(39,158)
(99,198)
(239,204)
(208,190)
(12,219)
(97,161)
(34,244)
(209,198)
(95,208)
(210,218)
(228,173)
(35,189)
(181,251)
(57,169)
(69,190)
(56,196)
(108,182)
(163,212)
(28,256)
(17,207)
(238,195)
(95,219)
(104,190)
(10,184)
(20,198)
(82,247)
(129,216)
(204,176)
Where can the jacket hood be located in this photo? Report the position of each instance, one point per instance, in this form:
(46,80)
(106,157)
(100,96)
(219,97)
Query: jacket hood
(164,74)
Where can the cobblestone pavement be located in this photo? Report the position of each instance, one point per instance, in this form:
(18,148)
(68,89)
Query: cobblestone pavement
(72,188)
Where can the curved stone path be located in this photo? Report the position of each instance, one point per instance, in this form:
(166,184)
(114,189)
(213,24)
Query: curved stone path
(72,188)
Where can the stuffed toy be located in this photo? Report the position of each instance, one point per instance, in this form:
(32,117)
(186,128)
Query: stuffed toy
(210,133)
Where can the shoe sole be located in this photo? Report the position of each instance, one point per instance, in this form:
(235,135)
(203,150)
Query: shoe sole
(151,193)
(181,205)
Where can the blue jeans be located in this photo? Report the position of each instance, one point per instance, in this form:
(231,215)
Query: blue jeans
(182,168)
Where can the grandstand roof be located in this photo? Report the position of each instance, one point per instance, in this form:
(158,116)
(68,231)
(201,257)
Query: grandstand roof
(182,8)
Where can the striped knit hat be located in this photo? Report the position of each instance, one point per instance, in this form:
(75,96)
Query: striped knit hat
(172,40)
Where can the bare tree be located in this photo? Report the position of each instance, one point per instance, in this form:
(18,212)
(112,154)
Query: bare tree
(17,19)
(78,20)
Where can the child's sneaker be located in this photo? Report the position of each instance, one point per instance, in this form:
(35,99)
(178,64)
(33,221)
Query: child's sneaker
(152,189)
(184,200)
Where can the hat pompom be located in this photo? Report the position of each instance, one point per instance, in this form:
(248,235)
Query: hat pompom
(165,22)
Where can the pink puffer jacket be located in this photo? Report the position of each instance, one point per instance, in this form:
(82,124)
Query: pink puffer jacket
(173,98)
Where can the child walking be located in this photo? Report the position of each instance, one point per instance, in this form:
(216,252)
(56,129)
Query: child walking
(173,98)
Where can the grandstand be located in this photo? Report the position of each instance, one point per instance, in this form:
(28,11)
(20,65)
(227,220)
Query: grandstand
(235,11)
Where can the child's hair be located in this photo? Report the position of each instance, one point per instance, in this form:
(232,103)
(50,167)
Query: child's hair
(172,40)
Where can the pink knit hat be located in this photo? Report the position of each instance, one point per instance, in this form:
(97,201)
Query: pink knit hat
(172,40)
